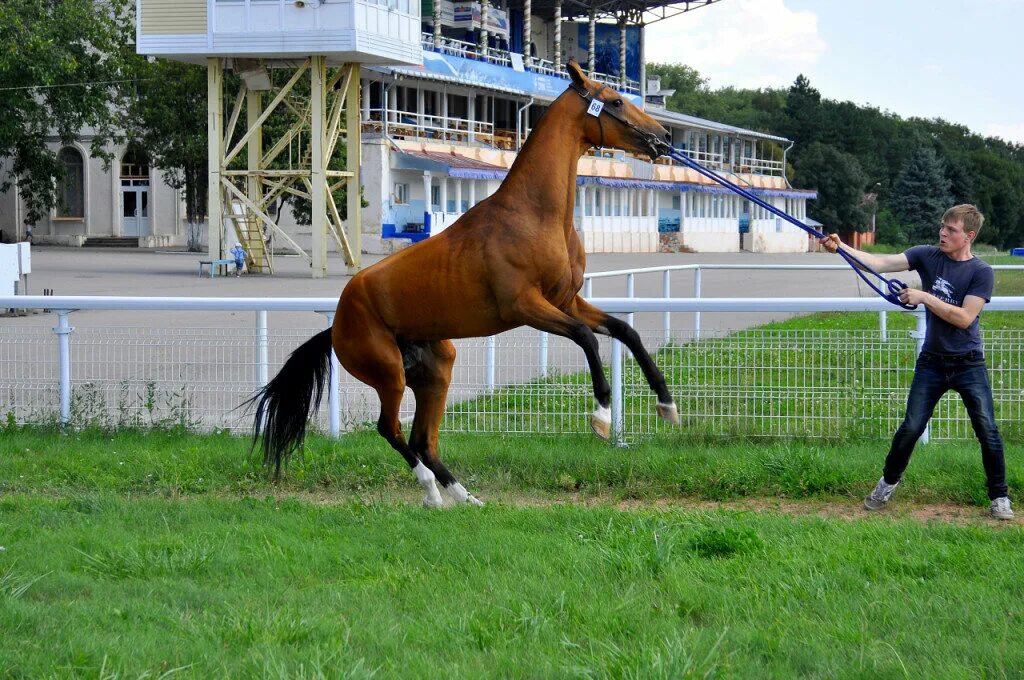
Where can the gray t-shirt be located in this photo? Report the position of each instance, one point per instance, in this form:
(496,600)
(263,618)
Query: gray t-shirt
(951,281)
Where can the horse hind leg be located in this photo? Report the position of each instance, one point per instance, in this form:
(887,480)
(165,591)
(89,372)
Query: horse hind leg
(428,372)
(606,324)
(376,360)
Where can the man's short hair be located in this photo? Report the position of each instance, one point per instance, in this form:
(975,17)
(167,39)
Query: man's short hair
(966,214)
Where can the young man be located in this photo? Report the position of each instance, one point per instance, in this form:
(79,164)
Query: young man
(955,287)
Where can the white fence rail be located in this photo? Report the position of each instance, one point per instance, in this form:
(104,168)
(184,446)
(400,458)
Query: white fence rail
(756,382)
(629,275)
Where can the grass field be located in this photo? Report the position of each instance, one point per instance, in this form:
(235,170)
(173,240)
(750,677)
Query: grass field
(168,554)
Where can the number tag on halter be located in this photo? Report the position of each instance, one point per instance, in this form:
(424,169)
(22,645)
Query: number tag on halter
(595,108)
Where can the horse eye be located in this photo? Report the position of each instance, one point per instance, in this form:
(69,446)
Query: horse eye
(617,102)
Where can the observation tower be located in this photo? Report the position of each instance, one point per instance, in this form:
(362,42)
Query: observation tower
(297,68)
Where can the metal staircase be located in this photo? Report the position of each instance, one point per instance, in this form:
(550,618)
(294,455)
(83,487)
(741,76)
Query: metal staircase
(259,257)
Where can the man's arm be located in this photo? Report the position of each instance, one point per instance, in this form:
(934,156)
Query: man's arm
(880,263)
(961,317)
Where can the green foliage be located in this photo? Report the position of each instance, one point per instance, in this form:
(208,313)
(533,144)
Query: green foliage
(986,171)
(59,65)
(921,195)
(889,230)
(839,180)
(802,118)
(167,117)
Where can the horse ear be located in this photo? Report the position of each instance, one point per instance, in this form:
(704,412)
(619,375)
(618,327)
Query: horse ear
(575,72)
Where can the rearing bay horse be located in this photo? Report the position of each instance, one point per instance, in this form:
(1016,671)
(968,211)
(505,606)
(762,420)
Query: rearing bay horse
(512,260)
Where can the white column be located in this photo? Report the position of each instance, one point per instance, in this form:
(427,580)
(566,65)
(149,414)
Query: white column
(458,195)
(318,176)
(558,36)
(682,211)
(592,54)
(643,65)
(622,52)
(444,194)
(485,10)
(427,206)
(366,100)
(437,24)
(472,193)
(215,152)
(527,37)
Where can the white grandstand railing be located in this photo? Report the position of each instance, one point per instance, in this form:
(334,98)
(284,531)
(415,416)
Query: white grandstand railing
(65,306)
(495,55)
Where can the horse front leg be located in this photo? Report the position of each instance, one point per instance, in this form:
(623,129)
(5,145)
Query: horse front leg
(532,309)
(606,324)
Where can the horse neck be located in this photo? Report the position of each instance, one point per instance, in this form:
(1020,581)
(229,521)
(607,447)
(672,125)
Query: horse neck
(543,176)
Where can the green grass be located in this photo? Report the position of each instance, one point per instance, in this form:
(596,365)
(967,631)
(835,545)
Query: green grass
(167,554)
(172,465)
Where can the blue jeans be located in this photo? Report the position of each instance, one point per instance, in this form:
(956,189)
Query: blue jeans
(934,375)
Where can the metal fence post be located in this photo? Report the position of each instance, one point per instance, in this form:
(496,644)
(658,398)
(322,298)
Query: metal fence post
(666,293)
(883,325)
(919,334)
(629,293)
(617,392)
(696,295)
(588,288)
(489,367)
(543,354)
(262,345)
(334,388)
(63,331)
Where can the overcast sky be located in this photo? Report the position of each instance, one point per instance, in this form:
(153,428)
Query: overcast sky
(959,60)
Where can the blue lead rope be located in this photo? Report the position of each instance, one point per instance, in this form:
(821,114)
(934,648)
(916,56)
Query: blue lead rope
(890,288)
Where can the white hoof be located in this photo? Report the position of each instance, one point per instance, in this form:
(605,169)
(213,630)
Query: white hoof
(601,422)
(426,478)
(459,494)
(669,413)
(433,503)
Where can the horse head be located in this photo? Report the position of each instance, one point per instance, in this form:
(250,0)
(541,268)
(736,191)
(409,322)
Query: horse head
(612,120)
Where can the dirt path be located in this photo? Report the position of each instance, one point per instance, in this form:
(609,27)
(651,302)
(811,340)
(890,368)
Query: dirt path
(850,510)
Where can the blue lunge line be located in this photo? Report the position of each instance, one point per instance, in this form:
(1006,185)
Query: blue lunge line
(893,287)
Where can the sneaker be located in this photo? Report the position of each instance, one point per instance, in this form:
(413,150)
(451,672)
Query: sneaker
(1000,508)
(879,498)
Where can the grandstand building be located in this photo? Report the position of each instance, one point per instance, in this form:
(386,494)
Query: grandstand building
(439,136)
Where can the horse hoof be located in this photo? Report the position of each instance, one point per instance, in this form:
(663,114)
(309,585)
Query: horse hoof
(458,494)
(432,503)
(669,413)
(601,423)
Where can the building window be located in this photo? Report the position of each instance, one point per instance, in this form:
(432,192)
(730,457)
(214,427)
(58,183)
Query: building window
(71,201)
(401,194)
(435,198)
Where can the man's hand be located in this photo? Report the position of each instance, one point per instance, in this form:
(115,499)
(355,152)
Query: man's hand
(830,243)
(913,296)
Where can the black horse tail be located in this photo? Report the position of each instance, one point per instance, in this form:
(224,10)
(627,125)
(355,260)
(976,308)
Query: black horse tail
(283,405)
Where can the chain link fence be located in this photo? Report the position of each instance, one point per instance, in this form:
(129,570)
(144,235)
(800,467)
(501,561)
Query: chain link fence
(816,384)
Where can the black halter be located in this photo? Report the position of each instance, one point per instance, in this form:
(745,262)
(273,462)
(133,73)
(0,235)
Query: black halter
(651,139)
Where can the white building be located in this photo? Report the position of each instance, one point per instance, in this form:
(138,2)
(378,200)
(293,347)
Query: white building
(438,136)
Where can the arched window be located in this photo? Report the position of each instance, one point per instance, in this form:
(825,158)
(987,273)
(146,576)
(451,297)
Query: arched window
(71,196)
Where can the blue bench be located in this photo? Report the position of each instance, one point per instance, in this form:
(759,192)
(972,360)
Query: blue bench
(214,265)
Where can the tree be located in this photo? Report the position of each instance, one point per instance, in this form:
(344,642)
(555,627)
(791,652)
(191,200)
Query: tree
(167,116)
(921,195)
(840,182)
(802,114)
(60,61)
